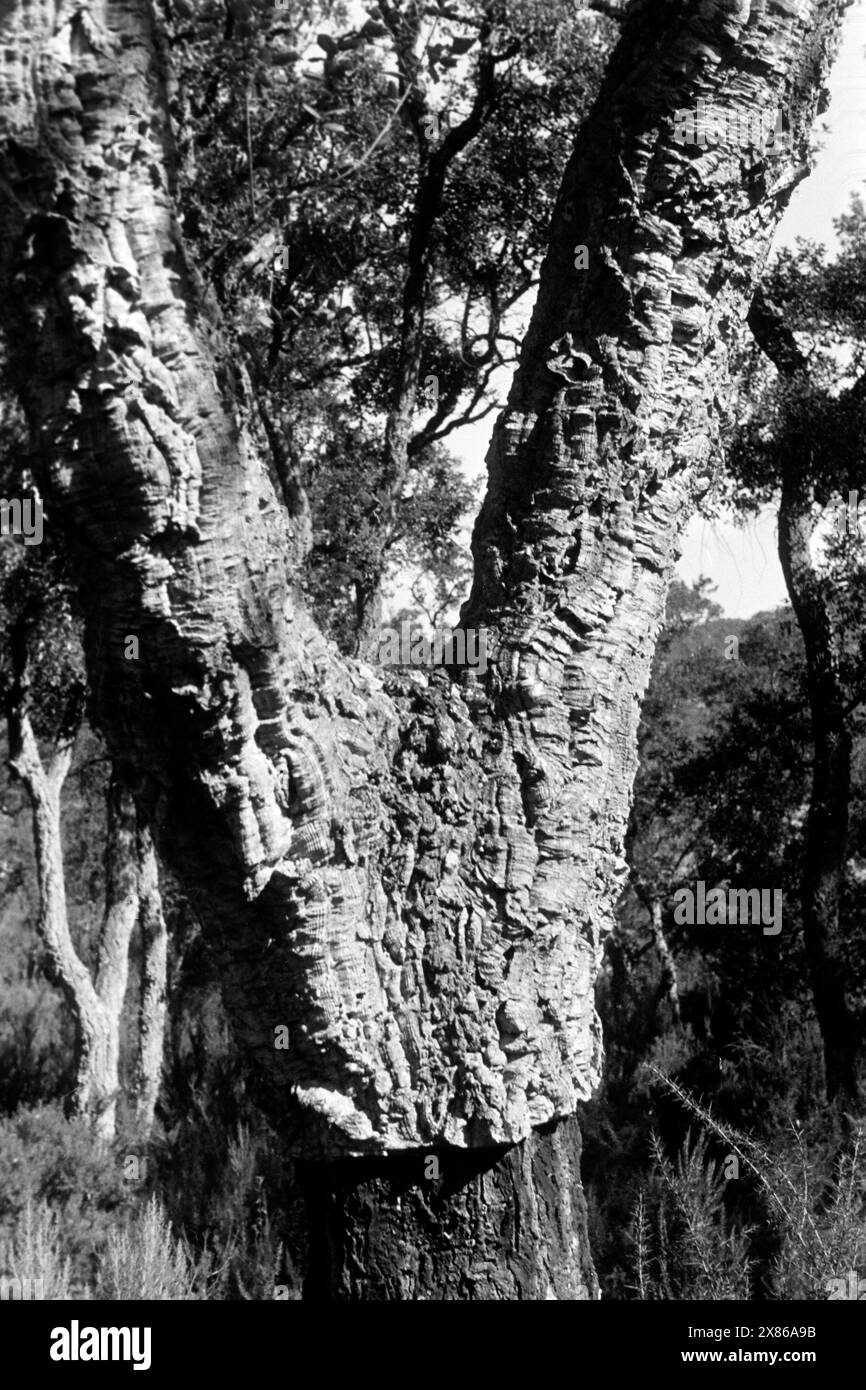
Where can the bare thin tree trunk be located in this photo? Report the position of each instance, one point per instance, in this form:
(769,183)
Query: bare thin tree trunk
(131,886)
(147,1073)
(112,950)
(668,987)
(95,1041)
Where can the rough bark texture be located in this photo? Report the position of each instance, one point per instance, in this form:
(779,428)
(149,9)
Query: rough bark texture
(494,1225)
(417,881)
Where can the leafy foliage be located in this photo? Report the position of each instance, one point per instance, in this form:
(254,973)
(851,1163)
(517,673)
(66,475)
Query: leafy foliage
(370,200)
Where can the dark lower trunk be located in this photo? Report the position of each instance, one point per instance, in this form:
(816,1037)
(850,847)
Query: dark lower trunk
(494,1224)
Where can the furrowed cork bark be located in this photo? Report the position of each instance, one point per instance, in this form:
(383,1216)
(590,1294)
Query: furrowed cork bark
(416,879)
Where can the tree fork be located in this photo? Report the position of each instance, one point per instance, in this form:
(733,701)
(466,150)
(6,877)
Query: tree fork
(413,882)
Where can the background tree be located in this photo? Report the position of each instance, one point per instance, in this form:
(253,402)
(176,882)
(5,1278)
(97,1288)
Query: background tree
(43,686)
(800,446)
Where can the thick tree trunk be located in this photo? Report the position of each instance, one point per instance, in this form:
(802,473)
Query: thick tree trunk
(416,882)
(462,1224)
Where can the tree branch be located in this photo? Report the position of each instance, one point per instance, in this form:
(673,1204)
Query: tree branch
(774,337)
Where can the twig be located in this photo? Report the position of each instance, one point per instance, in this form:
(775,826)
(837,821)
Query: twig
(252,177)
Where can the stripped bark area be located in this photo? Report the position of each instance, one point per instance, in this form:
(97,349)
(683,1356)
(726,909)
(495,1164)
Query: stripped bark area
(416,879)
(513,1219)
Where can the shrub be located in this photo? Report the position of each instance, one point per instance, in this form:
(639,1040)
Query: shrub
(687,1244)
(51,1163)
(143,1260)
(33,1253)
